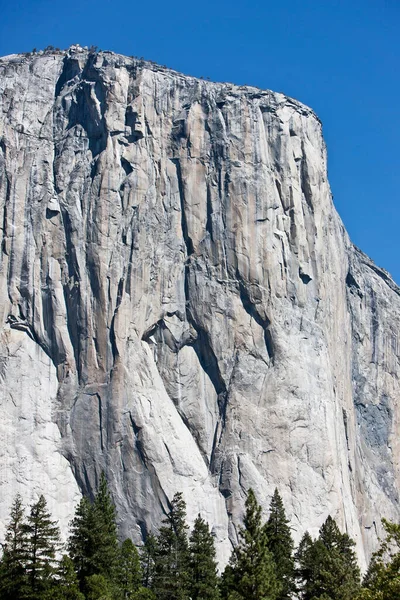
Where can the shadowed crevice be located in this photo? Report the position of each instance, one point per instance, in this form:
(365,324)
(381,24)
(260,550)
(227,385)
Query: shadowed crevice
(186,237)
(251,310)
(70,70)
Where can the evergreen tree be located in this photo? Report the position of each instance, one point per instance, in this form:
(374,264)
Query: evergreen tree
(281,545)
(13,579)
(147,560)
(98,587)
(93,543)
(305,566)
(144,594)
(171,576)
(42,543)
(66,586)
(342,560)
(202,565)
(252,569)
(310,556)
(382,580)
(130,578)
(106,554)
(328,566)
(227,582)
(81,540)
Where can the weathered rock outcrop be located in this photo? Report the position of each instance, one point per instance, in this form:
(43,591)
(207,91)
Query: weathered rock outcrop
(181,305)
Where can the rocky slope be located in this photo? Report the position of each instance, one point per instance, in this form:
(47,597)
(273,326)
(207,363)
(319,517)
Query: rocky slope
(181,306)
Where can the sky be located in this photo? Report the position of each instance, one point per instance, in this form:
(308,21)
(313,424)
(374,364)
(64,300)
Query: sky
(342,58)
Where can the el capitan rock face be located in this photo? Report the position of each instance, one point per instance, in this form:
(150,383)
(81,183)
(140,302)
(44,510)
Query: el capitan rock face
(181,306)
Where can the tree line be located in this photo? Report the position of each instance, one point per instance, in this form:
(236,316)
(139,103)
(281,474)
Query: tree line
(178,564)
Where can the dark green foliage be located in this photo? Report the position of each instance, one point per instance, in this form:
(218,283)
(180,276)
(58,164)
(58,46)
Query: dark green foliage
(171,567)
(234,595)
(281,545)
(98,587)
(144,594)
(66,587)
(105,558)
(130,572)
(251,572)
(93,543)
(328,566)
(227,582)
(202,564)
(382,580)
(42,543)
(13,579)
(306,565)
(311,557)
(344,580)
(147,560)
(171,573)
(81,540)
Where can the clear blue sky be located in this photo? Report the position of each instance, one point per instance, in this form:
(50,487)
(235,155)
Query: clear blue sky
(342,58)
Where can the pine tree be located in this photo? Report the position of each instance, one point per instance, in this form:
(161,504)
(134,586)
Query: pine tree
(43,542)
(382,580)
(304,570)
(171,577)
(227,581)
(328,566)
(329,534)
(130,576)
(342,561)
(81,540)
(281,545)
(98,587)
(310,555)
(147,560)
(106,554)
(252,569)
(13,579)
(93,543)
(202,565)
(144,593)
(66,586)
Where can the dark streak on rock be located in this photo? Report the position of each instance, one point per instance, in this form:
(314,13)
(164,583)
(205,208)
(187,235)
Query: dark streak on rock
(251,310)
(187,239)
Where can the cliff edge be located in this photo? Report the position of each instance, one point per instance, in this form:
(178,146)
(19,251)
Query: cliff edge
(181,307)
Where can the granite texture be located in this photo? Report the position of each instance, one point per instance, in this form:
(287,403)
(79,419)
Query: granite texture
(181,307)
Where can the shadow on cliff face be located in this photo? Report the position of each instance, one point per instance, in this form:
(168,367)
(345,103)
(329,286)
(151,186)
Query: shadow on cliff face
(87,109)
(134,208)
(88,100)
(71,69)
(166,350)
(376,425)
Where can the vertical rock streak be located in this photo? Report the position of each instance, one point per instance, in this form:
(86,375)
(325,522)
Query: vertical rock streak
(181,305)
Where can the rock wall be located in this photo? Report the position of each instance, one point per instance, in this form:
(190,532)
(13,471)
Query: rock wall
(181,307)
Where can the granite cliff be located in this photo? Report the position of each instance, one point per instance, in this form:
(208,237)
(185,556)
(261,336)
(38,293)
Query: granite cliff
(181,306)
